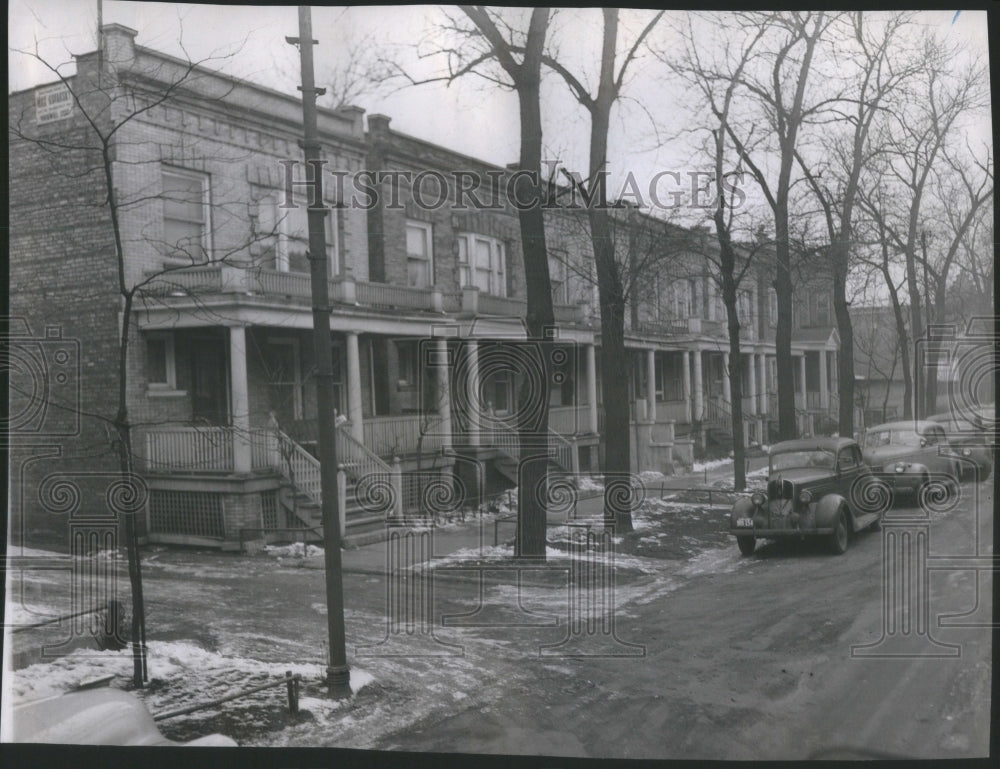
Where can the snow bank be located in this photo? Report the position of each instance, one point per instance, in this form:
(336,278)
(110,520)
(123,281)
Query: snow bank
(294,550)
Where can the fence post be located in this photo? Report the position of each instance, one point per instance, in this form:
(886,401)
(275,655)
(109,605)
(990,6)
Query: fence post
(397,487)
(342,499)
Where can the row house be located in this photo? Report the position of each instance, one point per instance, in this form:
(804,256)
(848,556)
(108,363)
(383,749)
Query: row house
(427,298)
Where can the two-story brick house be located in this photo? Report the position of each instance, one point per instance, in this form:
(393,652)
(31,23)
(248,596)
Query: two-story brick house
(427,296)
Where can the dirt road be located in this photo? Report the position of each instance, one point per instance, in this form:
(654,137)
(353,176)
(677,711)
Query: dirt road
(744,658)
(755,663)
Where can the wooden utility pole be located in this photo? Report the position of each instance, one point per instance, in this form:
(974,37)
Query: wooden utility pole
(338,675)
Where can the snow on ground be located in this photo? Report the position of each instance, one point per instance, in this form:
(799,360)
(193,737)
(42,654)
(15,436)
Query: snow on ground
(712,464)
(294,550)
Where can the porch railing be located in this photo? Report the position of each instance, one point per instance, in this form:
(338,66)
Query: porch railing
(357,460)
(569,420)
(389,295)
(190,280)
(301,467)
(400,434)
(192,449)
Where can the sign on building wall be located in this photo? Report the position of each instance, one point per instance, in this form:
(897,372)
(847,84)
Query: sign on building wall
(53,103)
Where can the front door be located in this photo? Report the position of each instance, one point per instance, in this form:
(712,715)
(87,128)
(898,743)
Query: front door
(209,381)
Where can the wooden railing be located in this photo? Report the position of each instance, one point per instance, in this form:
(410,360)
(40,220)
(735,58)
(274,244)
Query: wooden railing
(356,459)
(563,452)
(207,449)
(813,400)
(389,295)
(502,305)
(570,420)
(716,413)
(400,434)
(300,467)
(451,301)
(190,280)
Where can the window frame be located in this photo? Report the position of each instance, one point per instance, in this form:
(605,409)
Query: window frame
(468,268)
(296,383)
(169,362)
(269,198)
(206,206)
(428,232)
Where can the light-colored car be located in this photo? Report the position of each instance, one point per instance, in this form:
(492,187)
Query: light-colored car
(94,717)
(970,443)
(910,454)
(817,487)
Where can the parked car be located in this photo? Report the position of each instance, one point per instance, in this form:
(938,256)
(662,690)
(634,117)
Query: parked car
(817,487)
(909,454)
(94,717)
(970,443)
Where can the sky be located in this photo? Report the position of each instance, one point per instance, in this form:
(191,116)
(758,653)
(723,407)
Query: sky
(470,116)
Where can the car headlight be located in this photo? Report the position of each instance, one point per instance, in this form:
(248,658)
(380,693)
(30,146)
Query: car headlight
(900,467)
(966,452)
(805,497)
(758,499)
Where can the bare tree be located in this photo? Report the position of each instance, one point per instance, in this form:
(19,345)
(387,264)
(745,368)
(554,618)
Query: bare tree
(611,290)
(780,91)
(875,71)
(918,127)
(108,95)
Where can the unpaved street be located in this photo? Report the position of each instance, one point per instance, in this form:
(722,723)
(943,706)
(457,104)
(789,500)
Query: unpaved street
(743,657)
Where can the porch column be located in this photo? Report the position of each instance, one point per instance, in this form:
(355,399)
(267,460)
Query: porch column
(762,372)
(686,382)
(727,391)
(239,400)
(699,392)
(473,406)
(651,385)
(354,412)
(592,386)
(752,382)
(824,391)
(444,393)
(802,371)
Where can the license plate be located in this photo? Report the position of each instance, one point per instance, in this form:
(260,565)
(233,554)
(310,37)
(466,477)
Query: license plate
(744,523)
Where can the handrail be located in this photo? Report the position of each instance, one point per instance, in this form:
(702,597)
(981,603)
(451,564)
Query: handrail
(356,459)
(563,450)
(303,468)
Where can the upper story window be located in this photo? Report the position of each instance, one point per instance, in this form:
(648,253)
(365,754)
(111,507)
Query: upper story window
(482,262)
(558,276)
(772,307)
(282,234)
(419,255)
(185,214)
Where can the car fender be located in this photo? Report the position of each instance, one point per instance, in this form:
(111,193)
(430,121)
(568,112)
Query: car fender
(826,510)
(743,508)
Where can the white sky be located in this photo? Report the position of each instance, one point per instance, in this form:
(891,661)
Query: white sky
(471,116)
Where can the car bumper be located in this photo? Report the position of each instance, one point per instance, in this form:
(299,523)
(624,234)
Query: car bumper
(901,482)
(774,533)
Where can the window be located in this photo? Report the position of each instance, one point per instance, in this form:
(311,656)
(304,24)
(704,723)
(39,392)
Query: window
(848,460)
(557,276)
(482,263)
(284,379)
(419,255)
(185,214)
(693,294)
(406,354)
(772,307)
(822,310)
(283,235)
(160,362)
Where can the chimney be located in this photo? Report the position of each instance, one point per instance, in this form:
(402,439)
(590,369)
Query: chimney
(378,126)
(119,44)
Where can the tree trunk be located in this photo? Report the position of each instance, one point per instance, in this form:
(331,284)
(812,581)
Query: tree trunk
(845,357)
(735,381)
(902,338)
(532,499)
(783,333)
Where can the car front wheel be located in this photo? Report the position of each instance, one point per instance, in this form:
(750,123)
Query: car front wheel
(746,544)
(838,540)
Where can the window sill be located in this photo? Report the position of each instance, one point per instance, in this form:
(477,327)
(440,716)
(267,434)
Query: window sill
(165,392)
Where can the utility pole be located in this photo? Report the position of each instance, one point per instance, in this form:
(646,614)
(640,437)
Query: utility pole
(338,675)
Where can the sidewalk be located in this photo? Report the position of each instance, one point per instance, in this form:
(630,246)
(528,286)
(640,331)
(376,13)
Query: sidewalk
(476,532)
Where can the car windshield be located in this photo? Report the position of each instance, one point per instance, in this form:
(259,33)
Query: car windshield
(877,438)
(788,460)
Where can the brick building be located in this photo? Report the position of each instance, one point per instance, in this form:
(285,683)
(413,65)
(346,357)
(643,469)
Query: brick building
(428,301)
